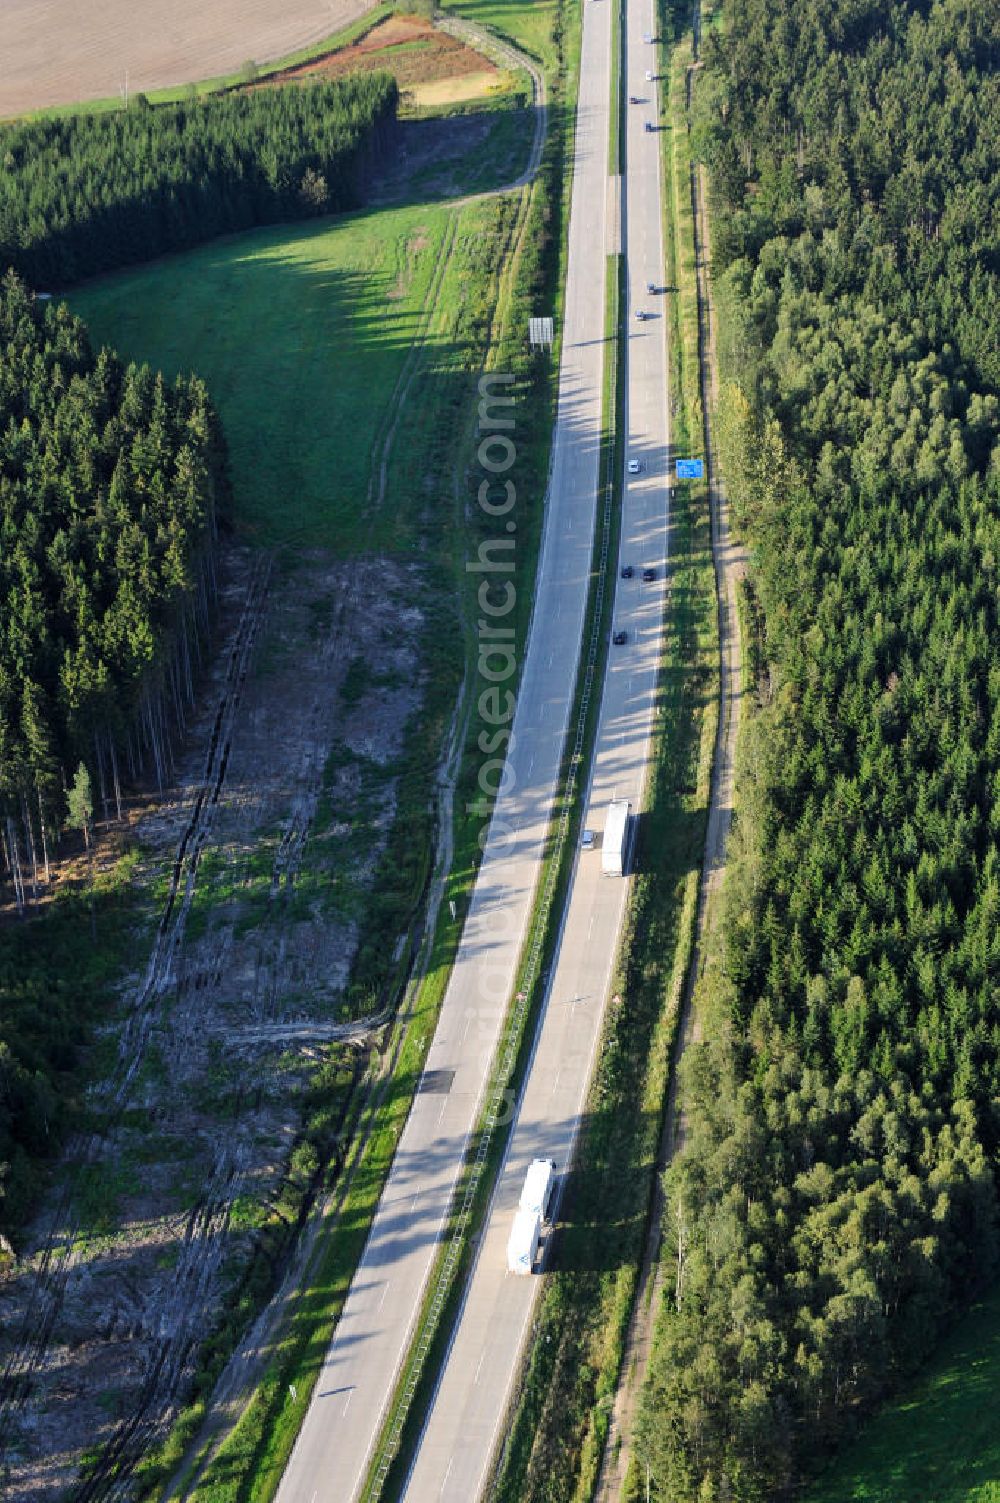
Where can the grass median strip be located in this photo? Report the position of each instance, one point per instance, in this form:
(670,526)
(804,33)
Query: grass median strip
(559,1426)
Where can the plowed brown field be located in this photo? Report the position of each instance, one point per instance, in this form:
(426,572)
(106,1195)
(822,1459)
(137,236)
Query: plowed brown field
(405,46)
(60,51)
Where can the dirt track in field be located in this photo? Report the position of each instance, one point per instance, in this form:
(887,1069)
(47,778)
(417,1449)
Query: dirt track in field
(60,51)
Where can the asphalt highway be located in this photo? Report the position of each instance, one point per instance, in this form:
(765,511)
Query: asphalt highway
(464,1426)
(349,1403)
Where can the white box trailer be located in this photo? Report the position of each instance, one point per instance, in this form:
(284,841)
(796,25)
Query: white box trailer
(616,842)
(522,1244)
(539,1183)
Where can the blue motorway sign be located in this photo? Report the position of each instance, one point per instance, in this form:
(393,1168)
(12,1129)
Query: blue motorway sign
(690,469)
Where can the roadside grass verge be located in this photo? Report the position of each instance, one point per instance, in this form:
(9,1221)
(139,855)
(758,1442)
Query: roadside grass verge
(939,1440)
(534,25)
(678,153)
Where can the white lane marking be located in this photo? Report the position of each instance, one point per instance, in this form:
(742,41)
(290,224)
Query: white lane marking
(414,1200)
(444,1103)
(349,1398)
(385,1291)
(479,1365)
(555,1083)
(446,1476)
(468,1025)
(590,931)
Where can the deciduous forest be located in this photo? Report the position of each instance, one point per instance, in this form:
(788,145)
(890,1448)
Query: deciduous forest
(838,1197)
(83,194)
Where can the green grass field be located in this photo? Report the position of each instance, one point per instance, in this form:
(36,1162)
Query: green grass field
(940,1442)
(272,321)
(526,22)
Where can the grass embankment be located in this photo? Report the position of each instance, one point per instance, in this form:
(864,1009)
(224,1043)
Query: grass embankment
(559,1427)
(533,25)
(940,1441)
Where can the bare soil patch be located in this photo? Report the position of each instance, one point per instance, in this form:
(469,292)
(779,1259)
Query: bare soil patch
(104,1312)
(440,91)
(61,51)
(409,48)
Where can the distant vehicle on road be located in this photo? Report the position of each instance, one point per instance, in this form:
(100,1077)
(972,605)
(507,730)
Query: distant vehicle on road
(641,315)
(522,1245)
(588,840)
(649,574)
(635,466)
(627,571)
(539,1184)
(633,99)
(649,125)
(620,638)
(617,842)
(649,75)
(652,288)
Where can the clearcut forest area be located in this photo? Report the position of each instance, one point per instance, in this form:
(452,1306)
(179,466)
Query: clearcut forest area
(230,659)
(836,1204)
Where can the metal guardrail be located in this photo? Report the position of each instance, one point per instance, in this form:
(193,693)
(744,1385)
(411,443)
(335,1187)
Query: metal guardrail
(444,1277)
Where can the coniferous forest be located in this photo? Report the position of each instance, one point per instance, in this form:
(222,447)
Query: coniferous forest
(83,194)
(112,485)
(838,1197)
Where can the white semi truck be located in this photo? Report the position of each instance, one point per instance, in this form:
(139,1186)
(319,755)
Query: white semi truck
(617,842)
(522,1244)
(539,1183)
(532,1210)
